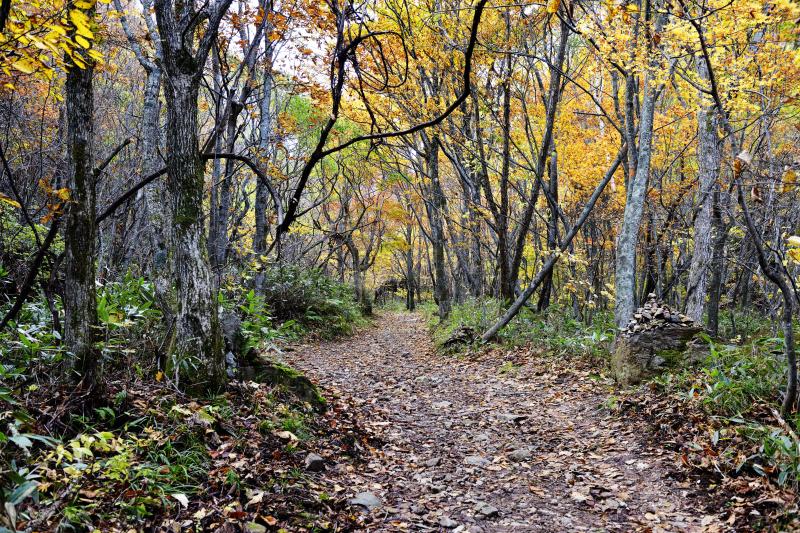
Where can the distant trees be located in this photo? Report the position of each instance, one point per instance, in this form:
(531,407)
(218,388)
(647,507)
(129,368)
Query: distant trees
(563,155)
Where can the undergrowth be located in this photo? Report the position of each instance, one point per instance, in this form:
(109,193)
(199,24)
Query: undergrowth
(149,452)
(555,331)
(740,388)
(303,300)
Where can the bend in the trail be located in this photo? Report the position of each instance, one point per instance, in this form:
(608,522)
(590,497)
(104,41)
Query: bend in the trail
(476,445)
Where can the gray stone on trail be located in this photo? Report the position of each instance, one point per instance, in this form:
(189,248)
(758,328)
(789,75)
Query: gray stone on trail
(519,455)
(442,405)
(434,461)
(314,462)
(231,364)
(254,527)
(484,510)
(512,417)
(447,523)
(366,499)
(476,460)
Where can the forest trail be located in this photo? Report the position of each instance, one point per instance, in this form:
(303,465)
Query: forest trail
(472,444)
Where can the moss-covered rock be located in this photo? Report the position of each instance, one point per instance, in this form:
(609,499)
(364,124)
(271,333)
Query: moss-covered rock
(263,370)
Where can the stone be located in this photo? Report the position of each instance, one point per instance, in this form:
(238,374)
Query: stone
(434,461)
(697,351)
(512,417)
(519,455)
(314,462)
(476,460)
(254,527)
(232,332)
(461,336)
(657,337)
(231,365)
(277,373)
(485,510)
(366,499)
(447,522)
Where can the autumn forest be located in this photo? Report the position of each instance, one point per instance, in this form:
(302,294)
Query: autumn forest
(399,265)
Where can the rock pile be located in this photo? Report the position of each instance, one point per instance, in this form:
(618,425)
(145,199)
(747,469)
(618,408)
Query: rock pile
(655,315)
(656,336)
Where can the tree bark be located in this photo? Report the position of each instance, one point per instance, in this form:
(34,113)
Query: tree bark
(265,146)
(80,230)
(708,165)
(634,207)
(198,341)
(507,277)
(436,206)
(552,231)
(409,257)
(197,349)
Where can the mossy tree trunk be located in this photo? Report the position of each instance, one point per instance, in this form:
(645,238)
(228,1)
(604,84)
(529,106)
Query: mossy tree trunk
(80,231)
(197,347)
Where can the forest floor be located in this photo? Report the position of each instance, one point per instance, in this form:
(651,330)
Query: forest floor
(501,440)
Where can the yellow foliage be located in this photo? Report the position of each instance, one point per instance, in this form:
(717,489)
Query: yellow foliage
(7,200)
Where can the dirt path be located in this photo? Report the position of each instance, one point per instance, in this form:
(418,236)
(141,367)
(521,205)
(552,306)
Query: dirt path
(472,445)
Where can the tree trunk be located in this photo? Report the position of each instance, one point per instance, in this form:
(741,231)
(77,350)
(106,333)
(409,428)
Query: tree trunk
(158,216)
(552,231)
(216,165)
(224,199)
(708,164)
(409,256)
(720,202)
(436,206)
(197,348)
(265,152)
(80,232)
(507,277)
(196,351)
(634,208)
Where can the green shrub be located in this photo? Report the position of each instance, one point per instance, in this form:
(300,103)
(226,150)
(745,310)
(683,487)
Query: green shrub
(734,379)
(555,330)
(307,296)
(128,316)
(739,388)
